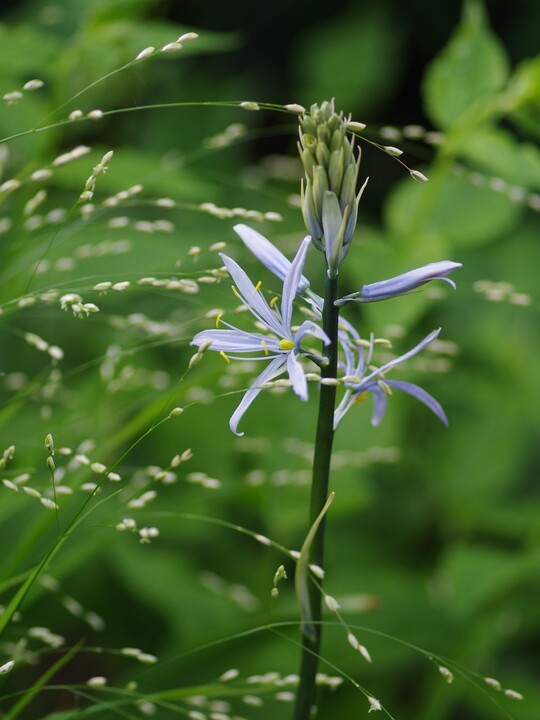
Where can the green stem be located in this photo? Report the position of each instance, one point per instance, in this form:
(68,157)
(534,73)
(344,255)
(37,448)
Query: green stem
(306,696)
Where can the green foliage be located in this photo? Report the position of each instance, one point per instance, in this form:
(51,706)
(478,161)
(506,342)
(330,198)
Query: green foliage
(433,536)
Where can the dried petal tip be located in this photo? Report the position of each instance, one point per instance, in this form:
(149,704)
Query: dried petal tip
(418,176)
(513,695)
(33,84)
(447,674)
(146,53)
(393,151)
(249,105)
(6,667)
(186,37)
(294,107)
(356,126)
(171,47)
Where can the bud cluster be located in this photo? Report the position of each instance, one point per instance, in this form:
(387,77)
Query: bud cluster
(329,198)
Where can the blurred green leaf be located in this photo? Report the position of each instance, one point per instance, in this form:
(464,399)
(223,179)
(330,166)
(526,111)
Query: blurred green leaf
(471,68)
(456,211)
(336,60)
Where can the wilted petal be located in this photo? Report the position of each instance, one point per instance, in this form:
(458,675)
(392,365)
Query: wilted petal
(402,284)
(268,254)
(274,369)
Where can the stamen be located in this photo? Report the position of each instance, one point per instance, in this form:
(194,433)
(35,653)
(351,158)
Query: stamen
(225,357)
(235,292)
(360,398)
(264,347)
(258,286)
(273,301)
(218,318)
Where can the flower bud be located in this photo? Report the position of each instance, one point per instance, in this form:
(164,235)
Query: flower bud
(329,199)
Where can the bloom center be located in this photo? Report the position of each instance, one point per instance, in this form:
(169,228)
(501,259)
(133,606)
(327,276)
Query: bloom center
(286,345)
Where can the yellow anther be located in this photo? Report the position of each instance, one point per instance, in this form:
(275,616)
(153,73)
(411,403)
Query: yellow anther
(360,398)
(273,301)
(218,318)
(264,347)
(258,286)
(224,357)
(286,345)
(235,292)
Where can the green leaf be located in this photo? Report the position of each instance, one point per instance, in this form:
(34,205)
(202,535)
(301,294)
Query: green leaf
(471,68)
(496,153)
(462,214)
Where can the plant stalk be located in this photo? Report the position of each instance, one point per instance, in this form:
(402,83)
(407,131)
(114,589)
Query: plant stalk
(307,690)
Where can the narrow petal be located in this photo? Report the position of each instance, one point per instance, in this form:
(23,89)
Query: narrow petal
(236,341)
(308,327)
(290,284)
(404,283)
(274,369)
(334,227)
(397,361)
(251,297)
(380,402)
(341,410)
(297,376)
(267,254)
(420,394)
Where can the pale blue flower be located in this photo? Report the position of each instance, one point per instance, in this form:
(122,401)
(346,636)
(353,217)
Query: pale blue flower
(358,365)
(282,347)
(404,283)
(267,254)
(273,259)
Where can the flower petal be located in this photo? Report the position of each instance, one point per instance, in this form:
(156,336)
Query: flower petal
(297,376)
(309,327)
(274,369)
(420,394)
(236,341)
(404,283)
(380,401)
(267,254)
(292,279)
(397,361)
(251,297)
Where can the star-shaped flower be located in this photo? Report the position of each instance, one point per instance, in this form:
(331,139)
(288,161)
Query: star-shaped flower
(361,379)
(281,346)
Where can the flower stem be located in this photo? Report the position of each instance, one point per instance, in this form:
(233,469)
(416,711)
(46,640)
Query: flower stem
(306,696)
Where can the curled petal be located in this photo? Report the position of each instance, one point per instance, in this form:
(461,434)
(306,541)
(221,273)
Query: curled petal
(402,284)
(308,327)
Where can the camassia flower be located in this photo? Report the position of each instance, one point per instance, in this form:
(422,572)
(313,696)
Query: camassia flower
(404,283)
(281,347)
(361,379)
